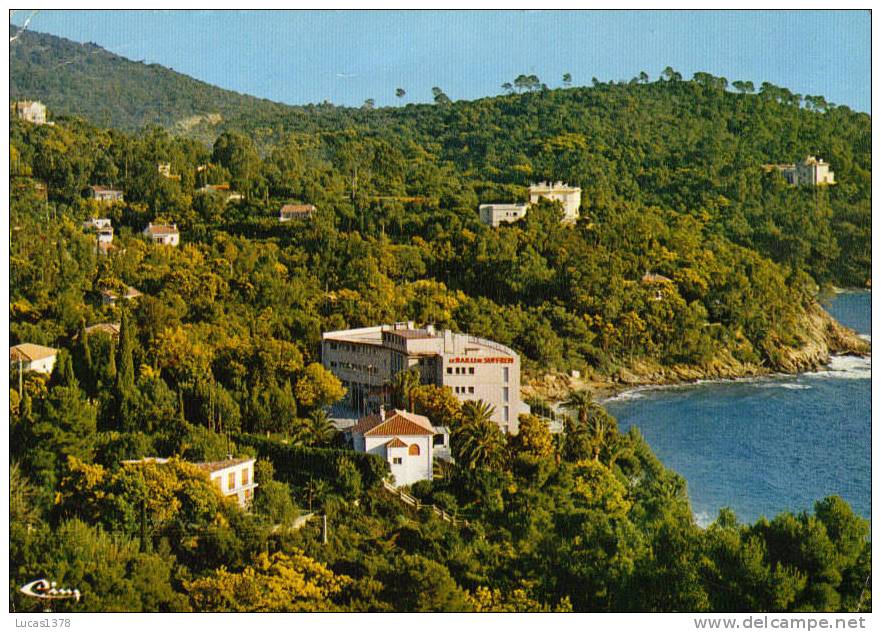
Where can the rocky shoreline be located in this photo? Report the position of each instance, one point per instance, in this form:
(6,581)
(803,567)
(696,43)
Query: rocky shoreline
(825,337)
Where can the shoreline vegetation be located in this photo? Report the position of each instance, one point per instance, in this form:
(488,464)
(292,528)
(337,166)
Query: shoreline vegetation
(827,337)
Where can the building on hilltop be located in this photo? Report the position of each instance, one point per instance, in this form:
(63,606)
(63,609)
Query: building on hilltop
(31,111)
(290,212)
(105,194)
(404,439)
(31,357)
(367,359)
(568,196)
(496,213)
(165,234)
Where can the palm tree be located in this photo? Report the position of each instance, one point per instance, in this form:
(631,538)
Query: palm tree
(317,429)
(403,384)
(442,469)
(315,489)
(593,424)
(476,440)
(474,411)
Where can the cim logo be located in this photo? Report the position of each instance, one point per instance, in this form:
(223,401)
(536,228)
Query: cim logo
(481,361)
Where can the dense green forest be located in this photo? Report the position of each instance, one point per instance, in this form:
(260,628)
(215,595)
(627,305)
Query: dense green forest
(219,353)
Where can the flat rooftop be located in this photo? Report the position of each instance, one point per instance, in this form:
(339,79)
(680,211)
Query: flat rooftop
(414,334)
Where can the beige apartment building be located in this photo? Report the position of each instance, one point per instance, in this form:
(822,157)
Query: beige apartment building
(568,196)
(367,359)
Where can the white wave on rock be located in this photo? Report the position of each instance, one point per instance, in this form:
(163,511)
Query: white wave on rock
(846,368)
(787,385)
(866,337)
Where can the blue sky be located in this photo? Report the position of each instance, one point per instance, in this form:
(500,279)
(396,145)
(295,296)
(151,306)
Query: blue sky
(346,57)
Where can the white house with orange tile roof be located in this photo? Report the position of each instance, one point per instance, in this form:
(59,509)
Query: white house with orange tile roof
(31,357)
(290,212)
(402,438)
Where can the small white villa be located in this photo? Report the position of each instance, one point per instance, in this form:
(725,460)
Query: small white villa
(403,439)
(31,357)
(232,477)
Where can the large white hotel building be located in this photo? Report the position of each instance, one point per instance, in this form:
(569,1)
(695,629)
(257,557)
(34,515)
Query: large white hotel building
(366,359)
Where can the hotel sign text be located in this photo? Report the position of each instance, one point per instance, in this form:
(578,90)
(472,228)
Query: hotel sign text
(479,360)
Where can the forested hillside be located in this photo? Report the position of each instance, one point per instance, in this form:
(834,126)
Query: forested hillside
(219,353)
(694,147)
(74,78)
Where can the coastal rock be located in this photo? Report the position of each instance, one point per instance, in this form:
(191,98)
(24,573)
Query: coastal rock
(821,335)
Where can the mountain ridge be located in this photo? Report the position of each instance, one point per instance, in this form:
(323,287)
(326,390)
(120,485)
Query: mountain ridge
(141,93)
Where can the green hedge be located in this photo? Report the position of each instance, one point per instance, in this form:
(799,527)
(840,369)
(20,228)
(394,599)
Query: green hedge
(297,464)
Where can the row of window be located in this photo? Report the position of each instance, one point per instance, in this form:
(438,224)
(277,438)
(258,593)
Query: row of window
(231,479)
(461,390)
(347,346)
(370,369)
(460,370)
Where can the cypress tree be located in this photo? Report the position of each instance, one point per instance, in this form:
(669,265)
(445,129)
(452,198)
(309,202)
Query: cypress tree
(68,377)
(125,374)
(111,365)
(84,356)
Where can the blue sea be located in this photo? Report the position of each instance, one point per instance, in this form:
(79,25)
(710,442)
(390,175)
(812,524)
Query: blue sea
(767,445)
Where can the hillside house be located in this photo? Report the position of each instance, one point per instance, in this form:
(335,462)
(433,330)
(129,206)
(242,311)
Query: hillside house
(165,234)
(657,282)
(404,439)
(102,227)
(109,297)
(110,329)
(97,223)
(31,357)
(105,194)
(290,212)
(233,477)
(31,111)
(164,169)
(223,190)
